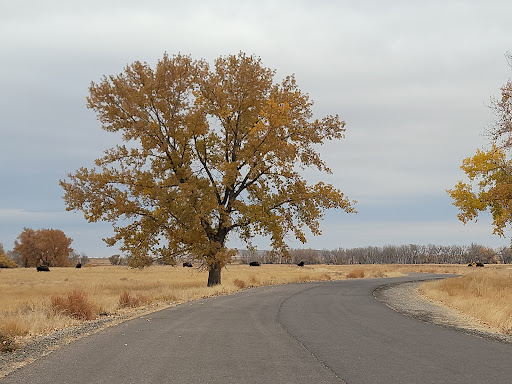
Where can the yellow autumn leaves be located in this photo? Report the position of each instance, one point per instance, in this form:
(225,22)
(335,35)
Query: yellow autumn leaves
(490,172)
(489,188)
(209,151)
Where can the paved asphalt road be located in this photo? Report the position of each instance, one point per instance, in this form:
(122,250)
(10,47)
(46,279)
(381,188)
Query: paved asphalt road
(331,332)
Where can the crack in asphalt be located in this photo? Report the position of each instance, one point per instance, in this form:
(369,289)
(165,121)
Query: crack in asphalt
(277,319)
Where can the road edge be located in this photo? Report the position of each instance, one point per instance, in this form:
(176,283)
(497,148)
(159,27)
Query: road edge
(405,298)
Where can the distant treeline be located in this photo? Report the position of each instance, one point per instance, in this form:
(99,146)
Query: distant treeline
(388,254)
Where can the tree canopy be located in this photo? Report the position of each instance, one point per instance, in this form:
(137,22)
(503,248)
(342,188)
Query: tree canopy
(5,262)
(50,247)
(489,187)
(206,152)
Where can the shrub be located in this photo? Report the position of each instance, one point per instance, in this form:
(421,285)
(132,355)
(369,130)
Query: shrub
(378,274)
(7,343)
(240,283)
(75,305)
(5,262)
(356,274)
(128,301)
(140,261)
(115,259)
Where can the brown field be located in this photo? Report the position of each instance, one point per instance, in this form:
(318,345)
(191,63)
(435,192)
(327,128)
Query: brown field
(482,293)
(35,303)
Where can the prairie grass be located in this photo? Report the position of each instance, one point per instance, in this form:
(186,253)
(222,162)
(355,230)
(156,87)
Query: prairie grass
(484,294)
(34,303)
(240,283)
(126,300)
(356,273)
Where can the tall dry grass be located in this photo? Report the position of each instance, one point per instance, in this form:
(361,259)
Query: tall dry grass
(33,303)
(484,294)
(74,304)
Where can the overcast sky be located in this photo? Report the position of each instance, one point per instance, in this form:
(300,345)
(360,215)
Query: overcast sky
(412,79)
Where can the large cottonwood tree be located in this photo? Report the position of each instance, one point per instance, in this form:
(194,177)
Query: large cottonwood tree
(208,151)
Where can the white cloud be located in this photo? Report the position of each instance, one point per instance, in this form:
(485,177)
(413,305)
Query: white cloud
(12,213)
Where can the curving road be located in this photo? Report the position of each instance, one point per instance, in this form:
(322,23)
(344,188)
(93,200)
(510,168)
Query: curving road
(331,332)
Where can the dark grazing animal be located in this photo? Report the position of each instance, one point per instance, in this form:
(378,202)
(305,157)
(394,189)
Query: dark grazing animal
(473,264)
(79,265)
(43,268)
(254,264)
(301,264)
(187,264)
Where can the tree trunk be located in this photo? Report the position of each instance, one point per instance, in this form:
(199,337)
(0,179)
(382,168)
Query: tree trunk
(214,275)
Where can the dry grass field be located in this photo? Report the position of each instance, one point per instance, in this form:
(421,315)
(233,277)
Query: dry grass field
(482,293)
(36,303)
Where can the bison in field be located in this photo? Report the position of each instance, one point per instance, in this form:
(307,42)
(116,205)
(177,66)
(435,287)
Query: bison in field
(254,264)
(473,264)
(43,268)
(187,264)
(301,264)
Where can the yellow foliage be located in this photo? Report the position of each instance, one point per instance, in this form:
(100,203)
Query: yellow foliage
(490,172)
(5,262)
(490,188)
(212,151)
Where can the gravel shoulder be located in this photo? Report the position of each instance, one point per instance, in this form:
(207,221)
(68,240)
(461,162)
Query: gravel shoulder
(41,346)
(405,298)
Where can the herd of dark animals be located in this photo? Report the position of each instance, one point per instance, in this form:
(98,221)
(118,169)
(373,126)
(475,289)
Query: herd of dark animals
(186,264)
(301,264)
(45,268)
(257,264)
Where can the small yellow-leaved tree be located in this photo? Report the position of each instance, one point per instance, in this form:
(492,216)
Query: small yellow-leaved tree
(490,171)
(207,151)
(5,262)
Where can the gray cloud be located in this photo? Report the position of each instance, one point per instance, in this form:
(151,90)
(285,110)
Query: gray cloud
(411,79)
